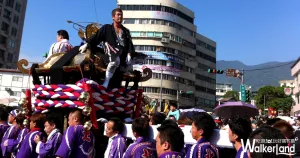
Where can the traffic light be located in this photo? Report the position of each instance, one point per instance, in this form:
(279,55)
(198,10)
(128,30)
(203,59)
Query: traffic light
(220,71)
(215,71)
(248,96)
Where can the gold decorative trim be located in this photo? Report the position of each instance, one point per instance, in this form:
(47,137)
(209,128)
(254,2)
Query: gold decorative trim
(21,63)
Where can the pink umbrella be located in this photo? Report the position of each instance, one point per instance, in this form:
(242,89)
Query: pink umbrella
(230,109)
(6,101)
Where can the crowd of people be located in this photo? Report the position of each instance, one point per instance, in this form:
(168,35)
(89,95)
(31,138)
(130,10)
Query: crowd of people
(43,137)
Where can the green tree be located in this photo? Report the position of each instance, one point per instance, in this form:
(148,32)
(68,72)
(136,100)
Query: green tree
(273,97)
(232,94)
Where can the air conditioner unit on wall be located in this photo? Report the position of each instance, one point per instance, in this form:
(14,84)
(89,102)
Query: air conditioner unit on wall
(7,89)
(165,40)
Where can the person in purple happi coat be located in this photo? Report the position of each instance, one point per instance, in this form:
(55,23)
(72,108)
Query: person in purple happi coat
(3,124)
(143,146)
(202,129)
(77,142)
(14,144)
(169,140)
(49,148)
(28,145)
(11,133)
(116,142)
(239,130)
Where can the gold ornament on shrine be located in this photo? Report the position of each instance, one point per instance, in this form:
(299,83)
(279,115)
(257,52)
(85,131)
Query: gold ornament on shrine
(22,102)
(86,110)
(87,125)
(84,97)
(26,123)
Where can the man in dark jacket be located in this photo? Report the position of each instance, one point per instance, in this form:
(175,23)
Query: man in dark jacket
(117,43)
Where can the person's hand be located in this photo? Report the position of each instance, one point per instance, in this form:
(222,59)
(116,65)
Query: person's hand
(37,139)
(83,48)
(5,143)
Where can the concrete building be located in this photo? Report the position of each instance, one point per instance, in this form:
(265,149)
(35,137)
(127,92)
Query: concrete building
(222,88)
(178,55)
(13,84)
(295,72)
(12,13)
(287,83)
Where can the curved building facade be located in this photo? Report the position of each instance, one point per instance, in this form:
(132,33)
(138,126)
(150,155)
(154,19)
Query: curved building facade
(178,55)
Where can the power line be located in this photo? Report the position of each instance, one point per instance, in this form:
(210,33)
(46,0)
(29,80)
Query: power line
(272,67)
(96,11)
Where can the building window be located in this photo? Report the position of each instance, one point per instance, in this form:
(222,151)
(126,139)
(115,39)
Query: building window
(205,45)
(17,94)
(18,79)
(160,9)
(3,40)
(18,7)
(4,27)
(7,14)
(12,43)
(205,56)
(10,57)
(2,52)
(16,19)
(10,3)
(14,31)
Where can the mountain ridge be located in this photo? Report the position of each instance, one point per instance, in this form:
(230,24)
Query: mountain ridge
(258,78)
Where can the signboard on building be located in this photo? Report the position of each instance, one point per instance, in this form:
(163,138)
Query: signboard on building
(162,56)
(288,91)
(158,69)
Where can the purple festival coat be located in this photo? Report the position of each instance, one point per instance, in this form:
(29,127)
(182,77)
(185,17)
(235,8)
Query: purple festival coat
(141,148)
(76,143)
(171,154)
(48,149)
(3,129)
(11,133)
(28,146)
(14,144)
(203,149)
(117,147)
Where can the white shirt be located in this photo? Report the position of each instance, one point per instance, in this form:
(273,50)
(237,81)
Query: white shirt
(59,47)
(110,140)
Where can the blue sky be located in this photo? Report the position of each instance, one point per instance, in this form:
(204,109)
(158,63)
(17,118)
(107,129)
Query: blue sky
(252,31)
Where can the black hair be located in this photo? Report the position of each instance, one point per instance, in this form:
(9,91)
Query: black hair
(204,121)
(3,114)
(113,12)
(267,133)
(171,116)
(157,118)
(118,124)
(52,120)
(174,105)
(63,33)
(241,127)
(140,126)
(171,133)
(20,118)
(271,122)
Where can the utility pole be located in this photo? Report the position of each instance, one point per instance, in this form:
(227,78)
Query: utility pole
(161,80)
(243,79)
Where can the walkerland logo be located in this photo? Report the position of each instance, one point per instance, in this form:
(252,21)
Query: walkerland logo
(260,146)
